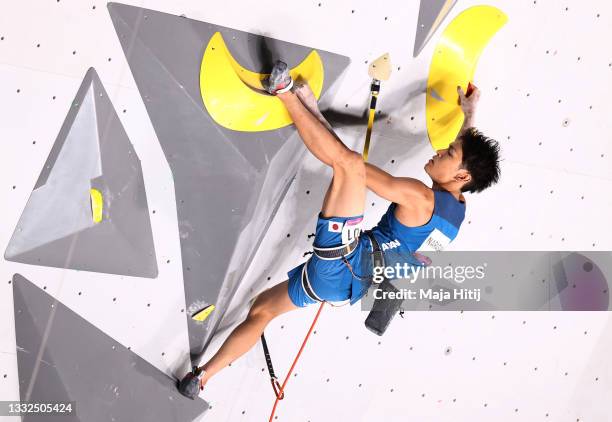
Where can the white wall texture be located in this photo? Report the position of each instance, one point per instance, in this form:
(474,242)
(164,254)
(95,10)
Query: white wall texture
(546,81)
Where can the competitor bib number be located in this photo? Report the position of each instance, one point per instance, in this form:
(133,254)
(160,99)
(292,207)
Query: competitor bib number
(436,241)
(351,230)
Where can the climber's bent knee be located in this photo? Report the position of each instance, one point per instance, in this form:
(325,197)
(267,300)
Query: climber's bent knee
(349,161)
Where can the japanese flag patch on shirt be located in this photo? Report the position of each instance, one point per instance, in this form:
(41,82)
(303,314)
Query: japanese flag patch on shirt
(335,227)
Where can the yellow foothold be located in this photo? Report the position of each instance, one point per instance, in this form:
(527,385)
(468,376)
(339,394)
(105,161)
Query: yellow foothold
(234,96)
(202,314)
(453,64)
(97,205)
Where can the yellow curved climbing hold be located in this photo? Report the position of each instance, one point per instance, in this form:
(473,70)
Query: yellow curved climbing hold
(97,205)
(202,314)
(453,64)
(234,95)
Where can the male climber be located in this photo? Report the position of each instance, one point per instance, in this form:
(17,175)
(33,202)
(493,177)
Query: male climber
(419,217)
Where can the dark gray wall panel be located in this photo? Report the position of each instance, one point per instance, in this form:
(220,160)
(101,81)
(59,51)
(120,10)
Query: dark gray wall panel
(431,15)
(56,227)
(79,363)
(228,184)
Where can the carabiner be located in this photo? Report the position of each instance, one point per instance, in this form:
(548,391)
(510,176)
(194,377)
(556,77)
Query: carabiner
(277,388)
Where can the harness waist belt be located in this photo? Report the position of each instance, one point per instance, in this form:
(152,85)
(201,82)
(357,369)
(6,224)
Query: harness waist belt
(336,252)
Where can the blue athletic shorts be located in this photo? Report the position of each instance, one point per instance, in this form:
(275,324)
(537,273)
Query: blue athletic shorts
(332,280)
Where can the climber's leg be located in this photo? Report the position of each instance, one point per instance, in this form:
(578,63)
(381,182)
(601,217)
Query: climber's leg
(346,194)
(317,138)
(268,305)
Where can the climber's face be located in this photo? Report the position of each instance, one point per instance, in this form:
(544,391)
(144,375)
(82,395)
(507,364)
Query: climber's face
(446,165)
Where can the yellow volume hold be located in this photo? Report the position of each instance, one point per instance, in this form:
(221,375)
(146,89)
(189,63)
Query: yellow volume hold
(453,64)
(97,205)
(202,314)
(234,96)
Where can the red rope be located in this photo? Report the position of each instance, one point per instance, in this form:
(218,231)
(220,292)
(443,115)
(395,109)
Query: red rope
(282,389)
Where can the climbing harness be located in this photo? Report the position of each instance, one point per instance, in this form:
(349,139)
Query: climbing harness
(329,254)
(377,321)
(336,251)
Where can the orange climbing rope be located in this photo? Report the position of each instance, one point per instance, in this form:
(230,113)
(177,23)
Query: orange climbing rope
(281,393)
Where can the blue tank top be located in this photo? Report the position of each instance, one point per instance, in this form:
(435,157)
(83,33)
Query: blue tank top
(436,234)
(399,242)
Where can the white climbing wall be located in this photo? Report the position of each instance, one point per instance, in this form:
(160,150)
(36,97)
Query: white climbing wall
(546,81)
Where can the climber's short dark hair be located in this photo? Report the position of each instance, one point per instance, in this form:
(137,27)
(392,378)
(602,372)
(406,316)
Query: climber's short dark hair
(481,159)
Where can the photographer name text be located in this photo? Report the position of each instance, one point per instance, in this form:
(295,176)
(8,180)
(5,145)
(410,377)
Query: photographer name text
(440,295)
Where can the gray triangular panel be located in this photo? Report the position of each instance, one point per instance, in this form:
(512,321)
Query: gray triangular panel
(228,183)
(79,363)
(56,227)
(431,15)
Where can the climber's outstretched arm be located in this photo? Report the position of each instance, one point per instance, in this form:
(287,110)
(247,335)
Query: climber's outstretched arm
(401,190)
